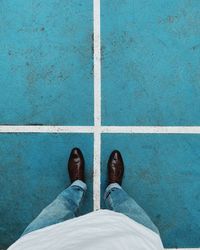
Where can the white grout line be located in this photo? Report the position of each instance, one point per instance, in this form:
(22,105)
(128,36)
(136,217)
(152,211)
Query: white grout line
(46,129)
(97,104)
(97,64)
(96,173)
(151,129)
(101,129)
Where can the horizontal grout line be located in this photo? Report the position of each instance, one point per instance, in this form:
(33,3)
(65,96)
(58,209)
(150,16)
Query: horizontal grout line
(46,129)
(101,129)
(151,129)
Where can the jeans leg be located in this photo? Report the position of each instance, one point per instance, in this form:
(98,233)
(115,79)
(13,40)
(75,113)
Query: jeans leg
(118,200)
(64,207)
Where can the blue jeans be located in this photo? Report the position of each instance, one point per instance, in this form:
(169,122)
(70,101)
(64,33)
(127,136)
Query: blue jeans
(118,200)
(66,206)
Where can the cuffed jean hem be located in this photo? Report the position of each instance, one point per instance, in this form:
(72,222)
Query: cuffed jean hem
(80,184)
(109,188)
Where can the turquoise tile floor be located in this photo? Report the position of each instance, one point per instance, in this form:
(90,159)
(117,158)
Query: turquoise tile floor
(33,173)
(149,77)
(150,55)
(46,62)
(162,174)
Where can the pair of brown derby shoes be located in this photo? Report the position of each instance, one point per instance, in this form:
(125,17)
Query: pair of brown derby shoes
(76,165)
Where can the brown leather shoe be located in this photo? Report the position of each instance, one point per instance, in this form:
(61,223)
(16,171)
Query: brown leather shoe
(115,168)
(76,165)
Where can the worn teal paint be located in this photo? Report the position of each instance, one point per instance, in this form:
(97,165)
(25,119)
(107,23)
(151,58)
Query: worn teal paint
(162,173)
(150,76)
(150,62)
(46,62)
(32,173)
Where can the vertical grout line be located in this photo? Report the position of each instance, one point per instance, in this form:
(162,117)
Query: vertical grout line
(97,64)
(96,173)
(97,104)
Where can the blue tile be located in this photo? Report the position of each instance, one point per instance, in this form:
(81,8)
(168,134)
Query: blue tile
(46,68)
(33,173)
(162,174)
(150,62)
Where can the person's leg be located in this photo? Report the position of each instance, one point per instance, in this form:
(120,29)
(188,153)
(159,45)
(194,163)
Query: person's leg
(64,207)
(118,200)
